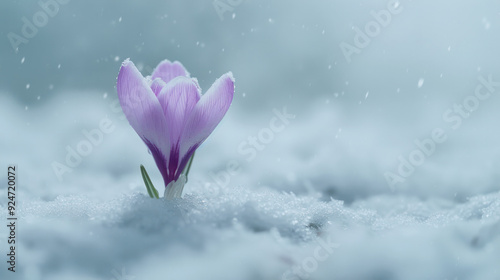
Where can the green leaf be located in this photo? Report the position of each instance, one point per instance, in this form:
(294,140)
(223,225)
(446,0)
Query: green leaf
(155,192)
(188,167)
(149,185)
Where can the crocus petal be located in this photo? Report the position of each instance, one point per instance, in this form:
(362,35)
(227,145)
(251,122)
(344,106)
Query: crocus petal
(157,85)
(167,70)
(143,111)
(207,114)
(177,98)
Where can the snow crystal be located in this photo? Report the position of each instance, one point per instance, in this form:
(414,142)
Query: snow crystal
(420,82)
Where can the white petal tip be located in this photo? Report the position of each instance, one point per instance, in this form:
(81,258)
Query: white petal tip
(126,62)
(230,75)
(164,61)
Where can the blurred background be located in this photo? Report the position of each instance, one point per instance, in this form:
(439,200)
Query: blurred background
(358,107)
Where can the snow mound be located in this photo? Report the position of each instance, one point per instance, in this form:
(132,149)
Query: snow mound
(259,234)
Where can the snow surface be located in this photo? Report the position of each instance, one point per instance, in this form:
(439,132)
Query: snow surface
(99,223)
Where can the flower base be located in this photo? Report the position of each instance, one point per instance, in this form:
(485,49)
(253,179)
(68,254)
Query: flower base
(174,189)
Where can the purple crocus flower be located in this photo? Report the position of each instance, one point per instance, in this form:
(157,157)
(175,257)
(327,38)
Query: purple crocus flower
(170,115)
